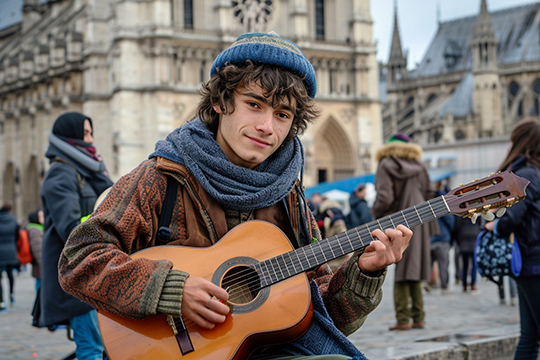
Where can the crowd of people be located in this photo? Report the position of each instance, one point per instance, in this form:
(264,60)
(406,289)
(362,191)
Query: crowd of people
(241,159)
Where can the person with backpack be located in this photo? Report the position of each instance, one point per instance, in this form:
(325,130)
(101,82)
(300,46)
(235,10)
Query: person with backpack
(9,234)
(523,219)
(238,161)
(35,238)
(76,177)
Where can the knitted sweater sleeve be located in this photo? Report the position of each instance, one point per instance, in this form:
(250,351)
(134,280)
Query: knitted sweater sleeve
(349,295)
(95,265)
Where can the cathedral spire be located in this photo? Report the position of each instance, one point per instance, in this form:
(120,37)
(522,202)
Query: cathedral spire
(484,41)
(484,27)
(397,63)
(396,51)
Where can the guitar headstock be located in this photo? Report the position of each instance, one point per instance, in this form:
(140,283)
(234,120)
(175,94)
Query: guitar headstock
(495,191)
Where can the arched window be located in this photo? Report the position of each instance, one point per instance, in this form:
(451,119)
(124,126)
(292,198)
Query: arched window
(431,98)
(536,96)
(459,135)
(319,19)
(513,90)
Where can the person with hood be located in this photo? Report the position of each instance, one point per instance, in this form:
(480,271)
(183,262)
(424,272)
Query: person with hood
(239,160)
(402,181)
(76,177)
(9,234)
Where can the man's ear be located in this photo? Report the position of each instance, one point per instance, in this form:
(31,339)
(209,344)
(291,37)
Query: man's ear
(217,109)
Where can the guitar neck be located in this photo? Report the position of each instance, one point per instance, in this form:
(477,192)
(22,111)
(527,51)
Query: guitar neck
(283,266)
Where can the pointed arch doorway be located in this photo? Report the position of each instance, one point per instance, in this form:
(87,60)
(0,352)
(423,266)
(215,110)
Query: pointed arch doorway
(333,153)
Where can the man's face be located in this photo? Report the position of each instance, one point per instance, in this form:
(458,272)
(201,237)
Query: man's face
(255,129)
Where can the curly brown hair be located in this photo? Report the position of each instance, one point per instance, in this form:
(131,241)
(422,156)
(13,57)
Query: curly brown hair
(277,83)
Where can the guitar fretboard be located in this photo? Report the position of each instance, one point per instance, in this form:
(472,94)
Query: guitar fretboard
(283,266)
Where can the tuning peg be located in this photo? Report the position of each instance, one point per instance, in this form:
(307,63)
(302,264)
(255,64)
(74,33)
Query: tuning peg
(488,216)
(474,217)
(500,212)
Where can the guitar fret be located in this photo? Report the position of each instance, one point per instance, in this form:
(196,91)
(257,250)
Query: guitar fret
(404,218)
(262,275)
(293,263)
(307,258)
(360,237)
(325,247)
(300,260)
(271,271)
(282,265)
(350,243)
(275,265)
(419,218)
(431,208)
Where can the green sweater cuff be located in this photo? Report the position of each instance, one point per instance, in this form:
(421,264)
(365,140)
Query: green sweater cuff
(170,300)
(361,283)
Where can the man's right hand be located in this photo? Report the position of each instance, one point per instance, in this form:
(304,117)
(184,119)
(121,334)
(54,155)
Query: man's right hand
(199,304)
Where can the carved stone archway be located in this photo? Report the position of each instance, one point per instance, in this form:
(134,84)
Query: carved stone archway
(333,153)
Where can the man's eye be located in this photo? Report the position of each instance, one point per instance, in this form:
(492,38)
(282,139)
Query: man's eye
(284,116)
(252,104)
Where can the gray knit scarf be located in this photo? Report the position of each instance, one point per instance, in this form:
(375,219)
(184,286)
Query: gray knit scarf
(233,186)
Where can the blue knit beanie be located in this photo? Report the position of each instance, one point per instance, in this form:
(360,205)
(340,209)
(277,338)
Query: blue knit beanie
(268,48)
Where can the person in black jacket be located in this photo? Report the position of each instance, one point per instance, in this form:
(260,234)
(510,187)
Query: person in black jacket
(523,219)
(360,211)
(464,235)
(9,234)
(74,181)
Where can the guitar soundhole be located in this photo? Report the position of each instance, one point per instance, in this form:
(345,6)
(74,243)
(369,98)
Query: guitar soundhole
(242,284)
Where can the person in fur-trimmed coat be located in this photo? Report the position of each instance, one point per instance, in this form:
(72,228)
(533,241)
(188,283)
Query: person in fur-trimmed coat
(402,181)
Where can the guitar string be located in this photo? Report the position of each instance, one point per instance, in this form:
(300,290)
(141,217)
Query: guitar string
(251,279)
(427,209)
(256,278)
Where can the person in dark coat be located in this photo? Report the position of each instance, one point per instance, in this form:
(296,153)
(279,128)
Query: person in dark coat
(523,219)
(76,178)
(402,181)
(360,211)
(9,234)
(464,234)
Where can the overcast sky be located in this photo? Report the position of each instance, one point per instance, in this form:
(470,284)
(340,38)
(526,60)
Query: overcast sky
(418,21)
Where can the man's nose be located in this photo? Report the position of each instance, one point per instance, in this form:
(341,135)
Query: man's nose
(266,124)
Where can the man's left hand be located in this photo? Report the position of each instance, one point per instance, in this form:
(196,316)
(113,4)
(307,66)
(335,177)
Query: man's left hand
(386,250)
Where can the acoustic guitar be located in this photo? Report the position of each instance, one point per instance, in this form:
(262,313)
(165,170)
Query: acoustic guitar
(265,277)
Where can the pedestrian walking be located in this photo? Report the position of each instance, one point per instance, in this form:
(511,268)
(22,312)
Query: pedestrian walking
(9,234)
(464,235)
(35,237)
(402,181)
(76,177)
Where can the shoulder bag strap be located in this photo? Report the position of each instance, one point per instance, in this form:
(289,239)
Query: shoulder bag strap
(164,232)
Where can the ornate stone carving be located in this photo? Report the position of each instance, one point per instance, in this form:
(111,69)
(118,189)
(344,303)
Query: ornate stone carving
(253,14)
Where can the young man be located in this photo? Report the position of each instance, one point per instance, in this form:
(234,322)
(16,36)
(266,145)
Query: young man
(239,160)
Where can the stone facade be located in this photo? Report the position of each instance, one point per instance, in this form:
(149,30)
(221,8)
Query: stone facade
(134,67)
(479,77)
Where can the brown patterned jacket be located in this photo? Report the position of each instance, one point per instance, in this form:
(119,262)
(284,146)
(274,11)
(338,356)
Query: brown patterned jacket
(95,265)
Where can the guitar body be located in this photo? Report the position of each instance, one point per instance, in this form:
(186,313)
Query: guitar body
(276,314)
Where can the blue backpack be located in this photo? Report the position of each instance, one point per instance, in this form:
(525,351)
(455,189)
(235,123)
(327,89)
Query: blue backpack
(497,255)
